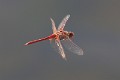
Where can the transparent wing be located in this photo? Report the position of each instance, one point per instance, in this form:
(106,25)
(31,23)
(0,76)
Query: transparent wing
(53,26)
(56,44)
(72,47)
(62,24)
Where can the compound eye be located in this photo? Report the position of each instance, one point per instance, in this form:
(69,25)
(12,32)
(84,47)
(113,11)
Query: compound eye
(71,34)
(60,31)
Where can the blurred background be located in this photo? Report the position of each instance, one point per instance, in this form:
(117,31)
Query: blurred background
(96,24)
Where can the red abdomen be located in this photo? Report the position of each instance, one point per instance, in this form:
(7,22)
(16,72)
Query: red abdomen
(41,39)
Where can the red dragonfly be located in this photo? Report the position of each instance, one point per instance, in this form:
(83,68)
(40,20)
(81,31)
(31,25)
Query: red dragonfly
(60,37)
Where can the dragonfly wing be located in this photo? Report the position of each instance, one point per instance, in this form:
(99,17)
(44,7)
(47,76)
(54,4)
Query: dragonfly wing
(62,24)
(53,26)
(72,47)
(56,44)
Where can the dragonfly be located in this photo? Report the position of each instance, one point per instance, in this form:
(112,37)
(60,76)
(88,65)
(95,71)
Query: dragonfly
(60,38)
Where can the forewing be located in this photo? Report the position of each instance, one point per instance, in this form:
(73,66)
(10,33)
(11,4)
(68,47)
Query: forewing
(58,47)
(72,47)
(62,24)
(53,26)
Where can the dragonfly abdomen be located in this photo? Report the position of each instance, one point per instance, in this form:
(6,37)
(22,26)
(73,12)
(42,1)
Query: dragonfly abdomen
(41,39)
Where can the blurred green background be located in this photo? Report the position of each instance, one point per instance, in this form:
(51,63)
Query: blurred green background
(96,24)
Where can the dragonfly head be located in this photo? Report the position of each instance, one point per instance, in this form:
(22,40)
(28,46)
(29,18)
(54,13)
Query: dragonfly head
(70,34)
(66,35)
